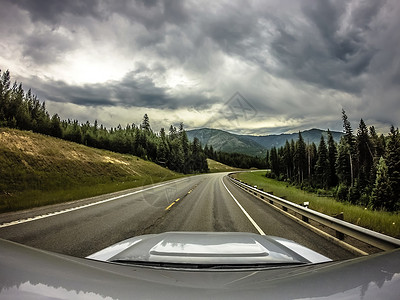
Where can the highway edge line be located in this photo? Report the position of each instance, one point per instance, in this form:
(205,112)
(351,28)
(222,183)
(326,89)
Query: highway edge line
(260,231)
(30,219)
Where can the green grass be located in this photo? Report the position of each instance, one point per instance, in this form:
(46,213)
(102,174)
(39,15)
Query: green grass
(38,170)
(215,167)
(380,221)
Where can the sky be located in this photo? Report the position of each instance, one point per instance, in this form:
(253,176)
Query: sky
(249,67)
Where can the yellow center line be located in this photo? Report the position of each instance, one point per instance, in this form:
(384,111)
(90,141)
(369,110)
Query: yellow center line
(169,206)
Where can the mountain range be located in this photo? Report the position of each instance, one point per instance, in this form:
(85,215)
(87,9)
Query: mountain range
(254,145)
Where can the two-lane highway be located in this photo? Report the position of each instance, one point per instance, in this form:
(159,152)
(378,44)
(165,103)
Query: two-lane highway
(207,202)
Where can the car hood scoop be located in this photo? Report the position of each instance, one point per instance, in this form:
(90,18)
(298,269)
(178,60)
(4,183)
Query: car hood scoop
(206,248)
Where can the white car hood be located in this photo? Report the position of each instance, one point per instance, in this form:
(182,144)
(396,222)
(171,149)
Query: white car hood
(208,248)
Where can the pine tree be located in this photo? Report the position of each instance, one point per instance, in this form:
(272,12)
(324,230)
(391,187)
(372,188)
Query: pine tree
(332,156)
(56,129)
(349,139)
(312,154)
(177,160)
(393,165)
(212,152)
(300,159)
(378,143)
(172,133)
(197,157)
(342,165)
(146,123)
(382,190)
(274,162)
(4,97)
(163,151)
(23,119)
(287,160)
(207,151)
(267,159)
(364,154)
(348,131)
(185,147)
(322,172)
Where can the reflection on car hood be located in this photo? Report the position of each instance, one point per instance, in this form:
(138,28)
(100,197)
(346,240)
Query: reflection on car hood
(208,248)
(28,273)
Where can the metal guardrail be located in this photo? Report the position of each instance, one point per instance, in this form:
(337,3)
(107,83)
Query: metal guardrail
(341,227)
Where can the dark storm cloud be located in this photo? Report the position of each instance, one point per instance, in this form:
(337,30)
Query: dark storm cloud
(140,91)
(46,48)
(348,45)
(365,12)
(133,90)
(320,51)
(151,14)
(154,16)
(60,91)
(313,48)
(231,26)
(49,11)
(291,58)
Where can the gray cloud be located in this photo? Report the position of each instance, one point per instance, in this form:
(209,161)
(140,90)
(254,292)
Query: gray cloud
(152,14)
(129,92)
(51,12)
(46,48)
(133,90)
(299,63)
(320,52)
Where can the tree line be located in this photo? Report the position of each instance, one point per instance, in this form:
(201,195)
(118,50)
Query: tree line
(170,149)
(238,160)
(363,168)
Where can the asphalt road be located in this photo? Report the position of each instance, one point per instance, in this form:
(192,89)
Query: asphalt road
(207,202)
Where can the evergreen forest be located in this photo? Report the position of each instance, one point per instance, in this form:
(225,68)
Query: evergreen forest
(363,169)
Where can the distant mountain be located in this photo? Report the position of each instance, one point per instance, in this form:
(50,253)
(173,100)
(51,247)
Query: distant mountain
(309,136)
(252,144)
(227,142)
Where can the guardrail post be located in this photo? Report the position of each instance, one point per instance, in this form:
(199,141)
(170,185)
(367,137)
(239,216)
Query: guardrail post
(304,218)
(305,205)
(339,235)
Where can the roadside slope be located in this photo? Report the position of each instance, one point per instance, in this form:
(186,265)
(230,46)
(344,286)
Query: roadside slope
(215,166)
(36,170)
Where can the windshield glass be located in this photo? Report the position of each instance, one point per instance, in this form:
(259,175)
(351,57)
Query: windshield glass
(130,130)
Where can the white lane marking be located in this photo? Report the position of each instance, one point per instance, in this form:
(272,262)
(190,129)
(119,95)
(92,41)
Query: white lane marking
(260,231)
(81,207)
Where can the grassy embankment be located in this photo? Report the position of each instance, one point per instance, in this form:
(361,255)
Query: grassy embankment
(215,167)
(380,221)
(39,170)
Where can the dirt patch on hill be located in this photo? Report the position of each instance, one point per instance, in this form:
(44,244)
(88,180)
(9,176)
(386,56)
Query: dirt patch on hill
(44,150)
